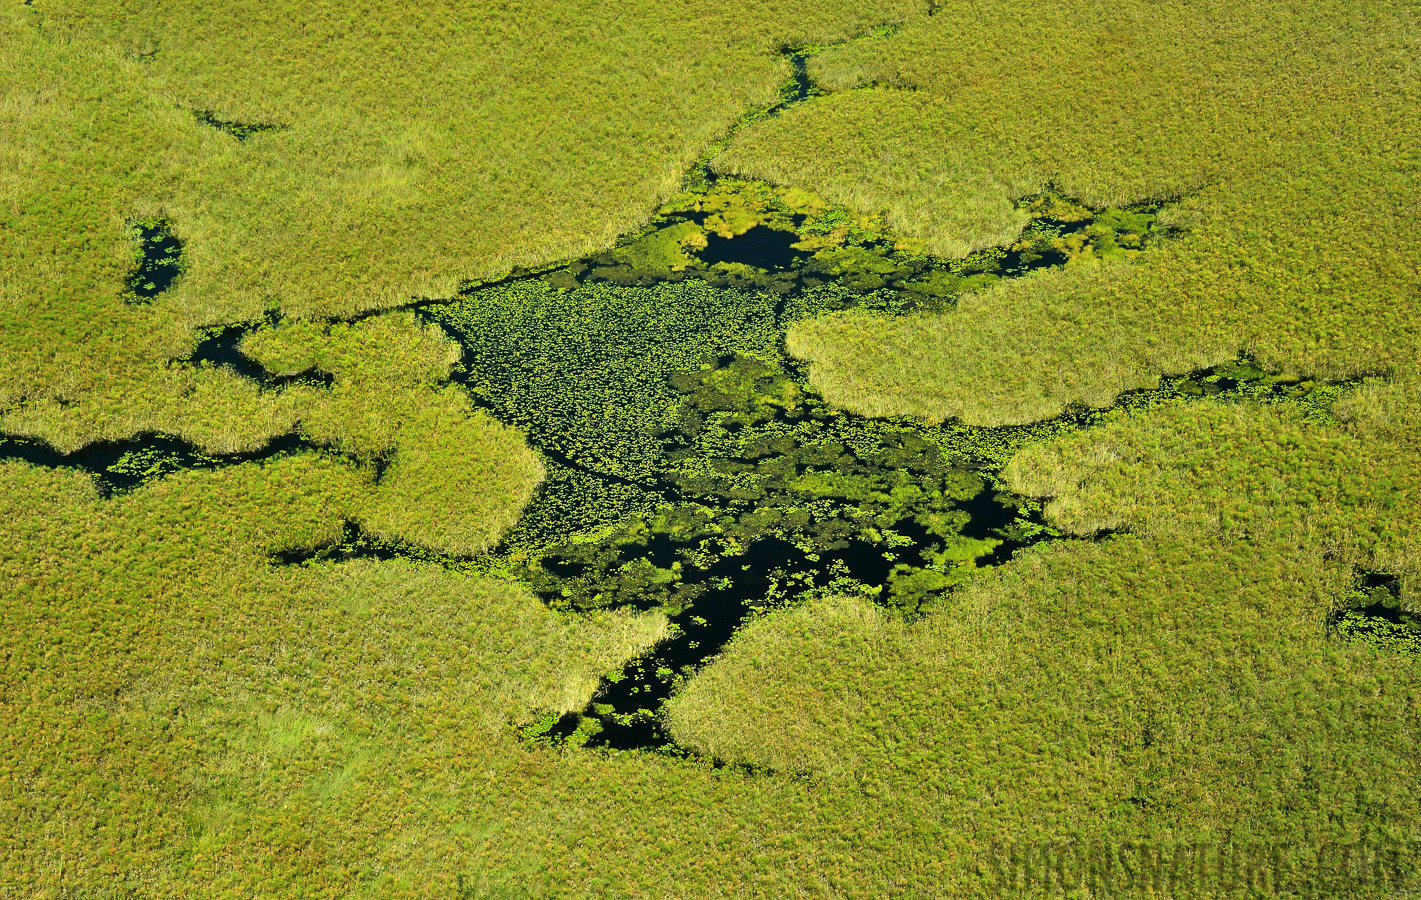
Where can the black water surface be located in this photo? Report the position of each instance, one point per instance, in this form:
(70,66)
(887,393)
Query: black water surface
(160,262)
(762,247)
(353,543)
(800,88)
(1378,595)
(222,348)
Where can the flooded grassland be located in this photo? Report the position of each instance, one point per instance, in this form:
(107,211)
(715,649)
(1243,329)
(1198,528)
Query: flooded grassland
(691,469)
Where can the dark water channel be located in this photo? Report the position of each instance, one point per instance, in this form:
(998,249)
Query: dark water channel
(239,130)
(220,348)
(120,466)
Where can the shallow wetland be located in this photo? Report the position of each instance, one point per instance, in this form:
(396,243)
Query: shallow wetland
(691,468)
(864,450)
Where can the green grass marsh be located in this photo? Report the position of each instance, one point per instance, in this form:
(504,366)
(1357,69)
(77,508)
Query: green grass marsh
(1195,660)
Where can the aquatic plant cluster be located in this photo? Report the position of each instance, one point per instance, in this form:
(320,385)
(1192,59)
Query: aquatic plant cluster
(122,466)
(749,235)
(1372,612)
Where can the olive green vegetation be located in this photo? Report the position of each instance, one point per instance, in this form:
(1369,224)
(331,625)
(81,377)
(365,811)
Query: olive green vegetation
(420,147)
(1286,131)
(1168,690)
(225,728)
(181,716)
(452,478)
(196,723)
(1209,468)
(329,729)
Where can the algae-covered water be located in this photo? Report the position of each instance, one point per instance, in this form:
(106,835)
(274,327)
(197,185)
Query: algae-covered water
(690,470)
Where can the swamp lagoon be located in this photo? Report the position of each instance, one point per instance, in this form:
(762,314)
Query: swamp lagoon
(840,450)
(691,466)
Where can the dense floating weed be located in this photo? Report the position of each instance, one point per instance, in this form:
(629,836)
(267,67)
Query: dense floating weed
(780,502)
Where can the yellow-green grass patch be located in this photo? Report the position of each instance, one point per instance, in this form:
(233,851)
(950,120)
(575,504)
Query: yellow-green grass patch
(419,148)
(1285,130)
